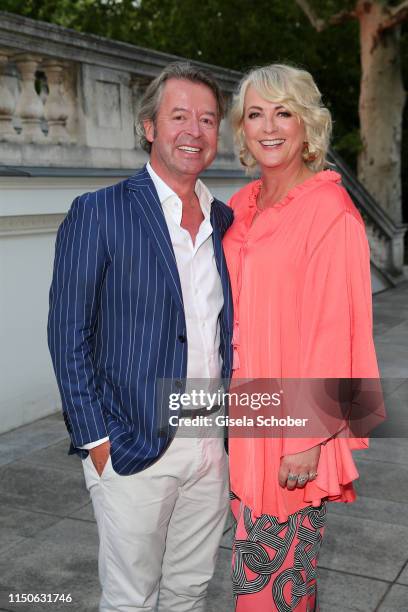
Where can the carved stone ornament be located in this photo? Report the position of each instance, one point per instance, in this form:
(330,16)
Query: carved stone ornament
(30,108)
(7,104)
(55,109)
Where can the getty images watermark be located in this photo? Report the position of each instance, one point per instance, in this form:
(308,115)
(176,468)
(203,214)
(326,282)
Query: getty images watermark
(297,408)
(207,405)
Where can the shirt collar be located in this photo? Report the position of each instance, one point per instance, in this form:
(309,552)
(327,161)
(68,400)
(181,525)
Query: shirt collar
(165,193)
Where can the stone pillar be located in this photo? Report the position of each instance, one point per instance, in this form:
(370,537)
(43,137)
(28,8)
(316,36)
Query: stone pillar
(225,138)
(69,88)
(7,104)
(397,249)
(29,108)
(55,108)
(138,86)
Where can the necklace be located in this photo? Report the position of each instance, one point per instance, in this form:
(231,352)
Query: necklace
(260,200)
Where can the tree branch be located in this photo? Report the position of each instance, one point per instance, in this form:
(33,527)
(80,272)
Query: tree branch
(396,10)
(398,14)
(320,24)
(342,16)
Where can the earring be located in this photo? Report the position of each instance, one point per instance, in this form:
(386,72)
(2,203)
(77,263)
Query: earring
(307,155)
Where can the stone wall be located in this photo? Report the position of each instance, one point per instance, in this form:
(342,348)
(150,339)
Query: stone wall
(71,100)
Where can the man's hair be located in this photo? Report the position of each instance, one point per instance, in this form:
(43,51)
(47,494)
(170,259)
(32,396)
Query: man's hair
(150,102)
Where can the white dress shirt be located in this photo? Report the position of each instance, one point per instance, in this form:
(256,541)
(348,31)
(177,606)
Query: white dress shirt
(200,285)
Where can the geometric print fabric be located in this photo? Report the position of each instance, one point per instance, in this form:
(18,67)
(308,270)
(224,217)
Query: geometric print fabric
(274,564)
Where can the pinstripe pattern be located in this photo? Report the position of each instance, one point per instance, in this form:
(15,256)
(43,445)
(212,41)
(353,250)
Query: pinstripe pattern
(116,312)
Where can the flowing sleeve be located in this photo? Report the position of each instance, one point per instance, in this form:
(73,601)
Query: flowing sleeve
(335,313)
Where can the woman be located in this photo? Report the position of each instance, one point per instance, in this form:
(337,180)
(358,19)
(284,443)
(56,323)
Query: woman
(299,265)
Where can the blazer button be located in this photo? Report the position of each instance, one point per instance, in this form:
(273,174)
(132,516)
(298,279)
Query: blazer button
(182,338)
(178,384)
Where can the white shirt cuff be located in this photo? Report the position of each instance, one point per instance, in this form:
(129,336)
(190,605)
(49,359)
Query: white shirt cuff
(94,444)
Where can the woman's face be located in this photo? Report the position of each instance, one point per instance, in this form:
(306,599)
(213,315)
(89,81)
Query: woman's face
(274,136)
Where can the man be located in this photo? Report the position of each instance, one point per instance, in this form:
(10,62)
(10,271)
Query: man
(140,293)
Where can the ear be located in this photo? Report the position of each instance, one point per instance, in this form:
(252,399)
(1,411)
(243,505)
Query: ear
(148,127)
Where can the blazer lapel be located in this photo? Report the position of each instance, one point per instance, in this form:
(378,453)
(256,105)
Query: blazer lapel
(143,194)
(216,222)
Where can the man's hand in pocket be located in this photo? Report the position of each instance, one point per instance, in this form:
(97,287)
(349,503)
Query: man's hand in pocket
(100,455)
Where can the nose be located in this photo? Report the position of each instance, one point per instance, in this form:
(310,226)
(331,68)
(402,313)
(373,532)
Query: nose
(269,124)
(194,127)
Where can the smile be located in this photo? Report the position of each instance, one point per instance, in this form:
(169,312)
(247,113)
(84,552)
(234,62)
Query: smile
(272,143)
(189,149)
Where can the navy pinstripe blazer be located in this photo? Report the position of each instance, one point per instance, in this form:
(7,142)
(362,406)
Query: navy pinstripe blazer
(116,321)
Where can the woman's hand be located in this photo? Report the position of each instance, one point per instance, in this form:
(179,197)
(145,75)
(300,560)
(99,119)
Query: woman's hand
(299,469)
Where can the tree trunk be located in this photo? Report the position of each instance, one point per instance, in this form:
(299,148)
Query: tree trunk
(381,106)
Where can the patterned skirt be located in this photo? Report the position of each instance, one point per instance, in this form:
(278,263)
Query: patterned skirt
(274,564)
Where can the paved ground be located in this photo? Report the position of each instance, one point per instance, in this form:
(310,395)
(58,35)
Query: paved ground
(48,540)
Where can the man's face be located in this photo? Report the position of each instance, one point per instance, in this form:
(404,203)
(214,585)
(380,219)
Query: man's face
(184,135)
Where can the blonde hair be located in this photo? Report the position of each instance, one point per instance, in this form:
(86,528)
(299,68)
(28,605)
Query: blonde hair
(296,90)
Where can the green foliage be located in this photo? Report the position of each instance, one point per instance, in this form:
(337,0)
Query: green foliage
(103,17)
(349,145)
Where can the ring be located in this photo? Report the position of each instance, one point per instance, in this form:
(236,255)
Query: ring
(302,478)
(292,476)
(312,475)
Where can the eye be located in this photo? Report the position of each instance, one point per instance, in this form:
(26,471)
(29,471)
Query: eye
(253,115)
(284,113)
(208,121)
(178,117)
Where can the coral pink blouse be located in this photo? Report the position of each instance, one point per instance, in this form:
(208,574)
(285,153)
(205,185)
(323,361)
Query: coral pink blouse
(300,277)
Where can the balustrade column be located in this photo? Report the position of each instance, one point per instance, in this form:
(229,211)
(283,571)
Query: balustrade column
(7,103)
(55,108)
(29,108)
(138,85)
(225,138)
(69,87)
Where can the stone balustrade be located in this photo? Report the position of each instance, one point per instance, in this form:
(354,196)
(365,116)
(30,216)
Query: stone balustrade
(386,238)
(71,100)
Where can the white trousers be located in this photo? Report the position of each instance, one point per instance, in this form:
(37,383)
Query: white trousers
(160,529)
